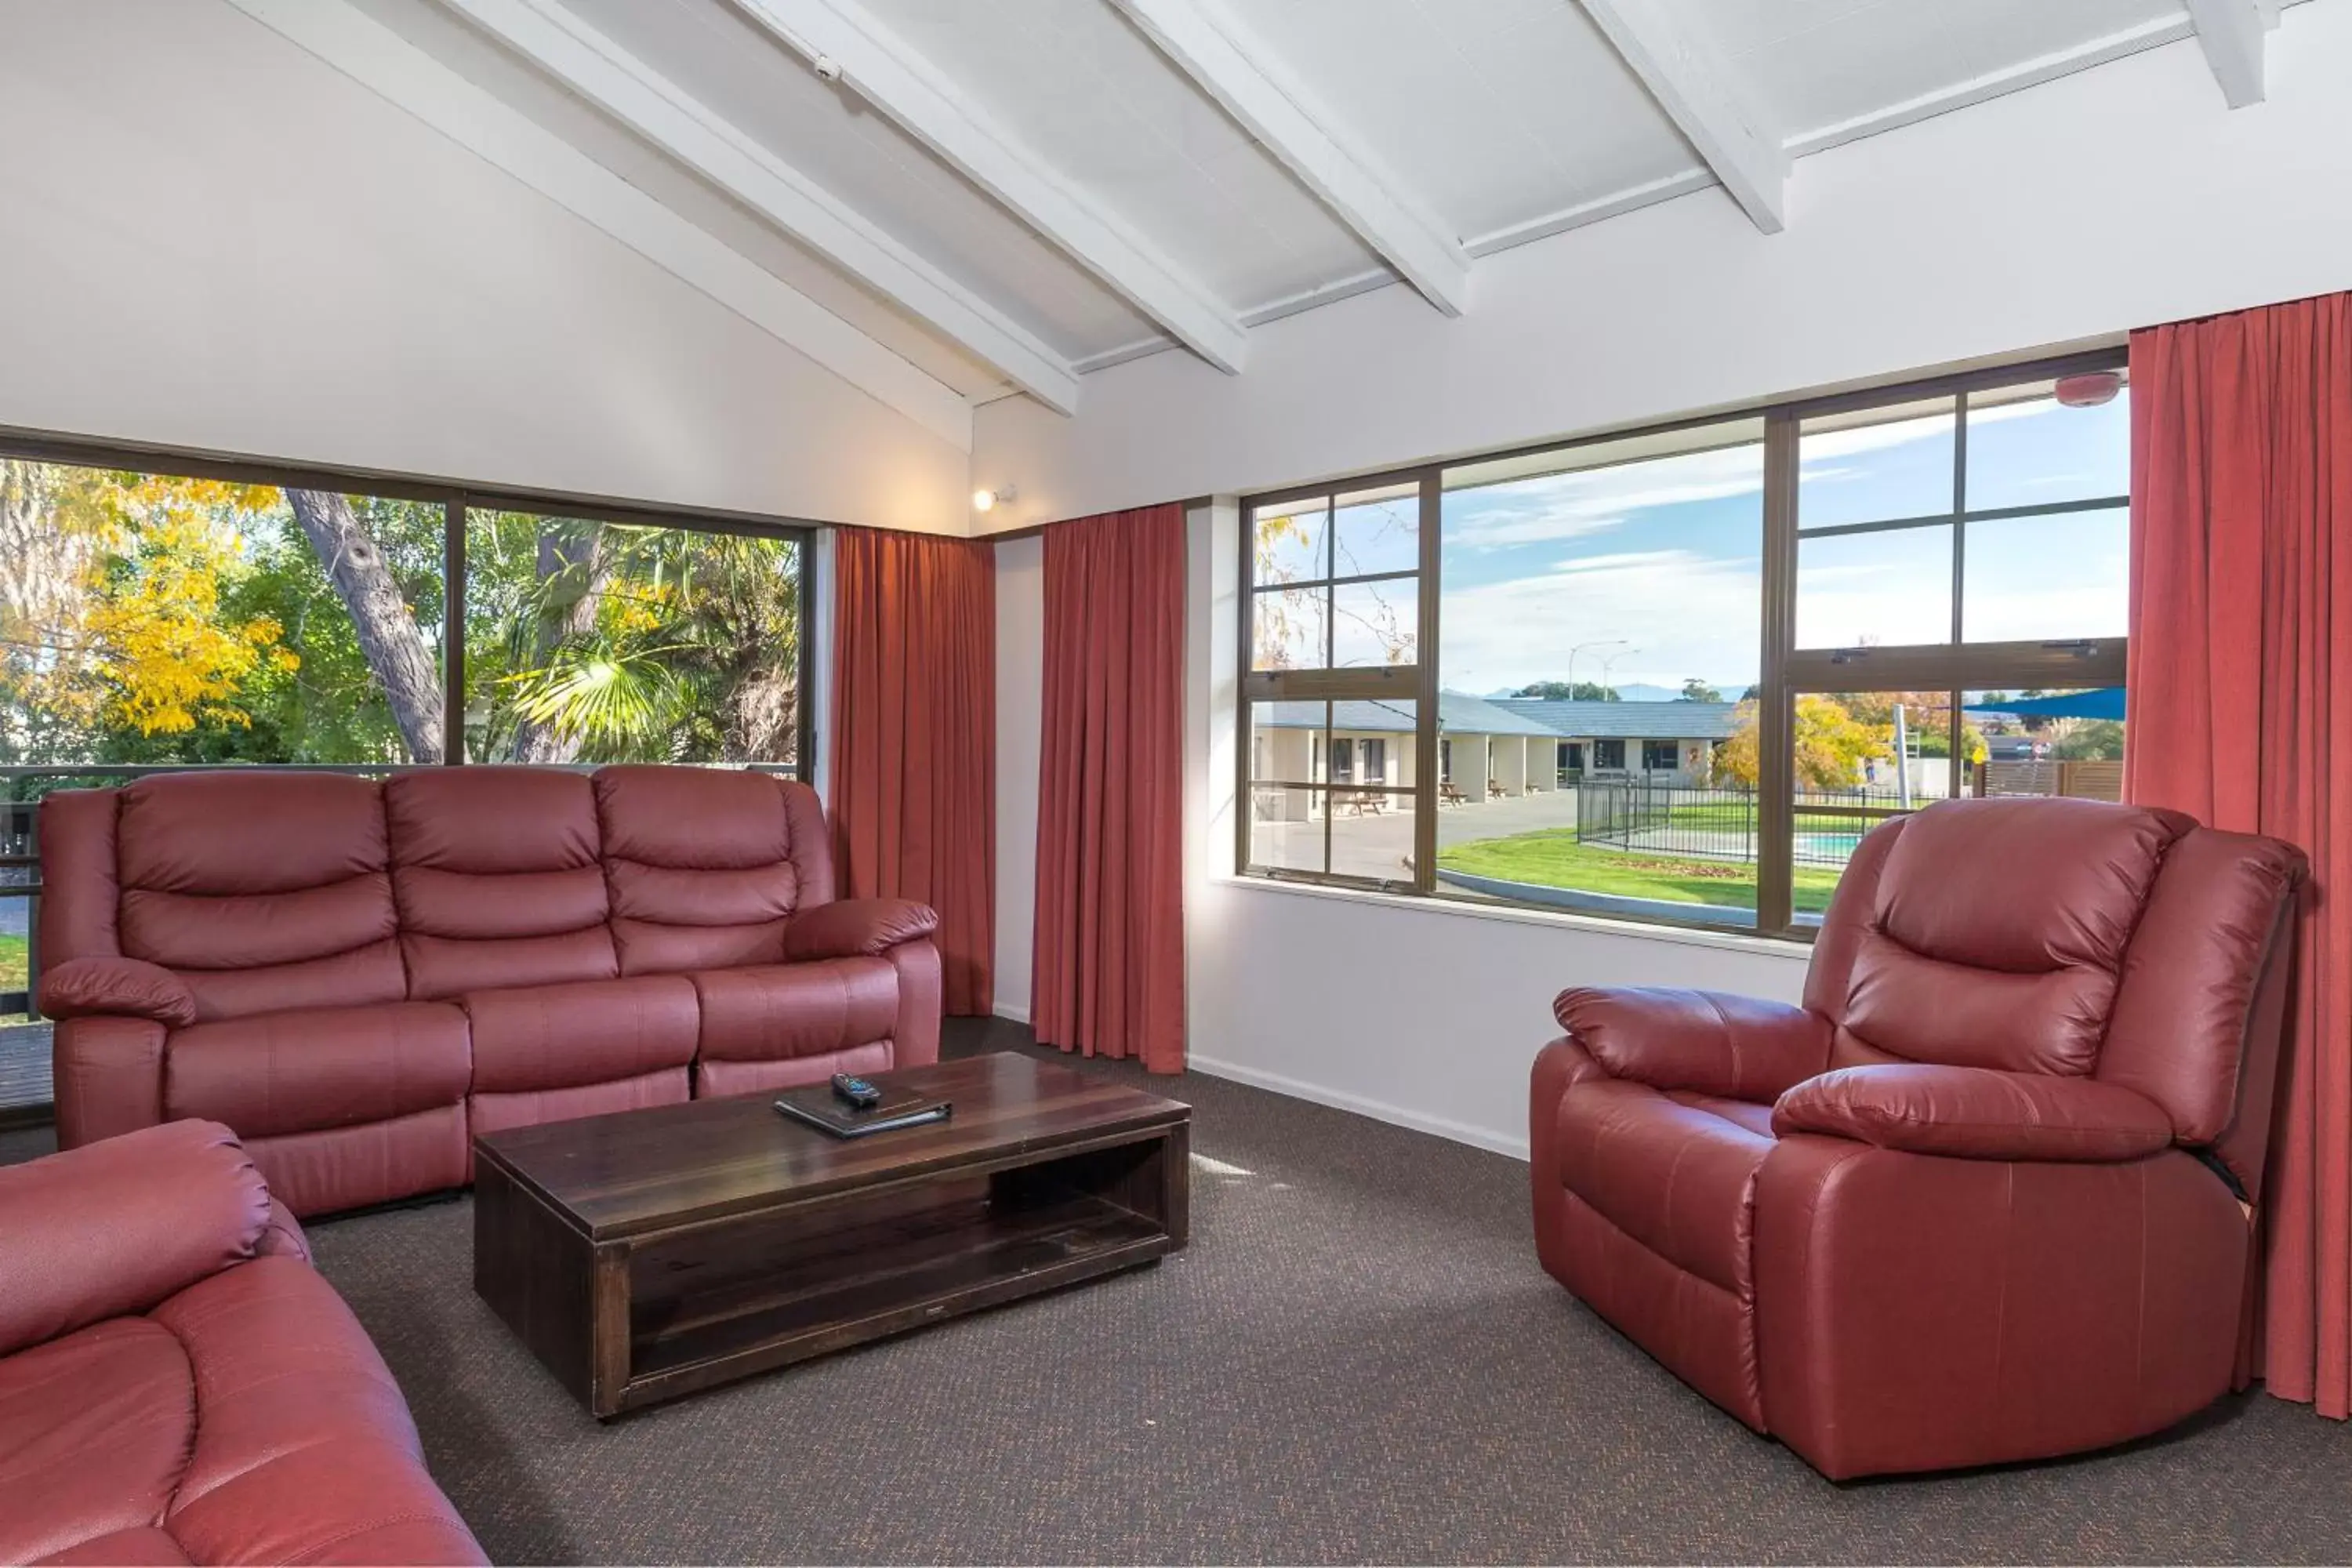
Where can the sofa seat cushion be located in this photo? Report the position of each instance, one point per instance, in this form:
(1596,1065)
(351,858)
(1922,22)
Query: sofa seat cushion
(338,1168)
(1678,1178)
(776,1011)
(318,1067)
(304,1450)
(94,1429)
(562,1036)
(531,1108)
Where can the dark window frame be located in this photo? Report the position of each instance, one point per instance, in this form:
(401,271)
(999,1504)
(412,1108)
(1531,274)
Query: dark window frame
(1785,671)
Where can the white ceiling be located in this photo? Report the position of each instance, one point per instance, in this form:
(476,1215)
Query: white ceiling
(1032,189)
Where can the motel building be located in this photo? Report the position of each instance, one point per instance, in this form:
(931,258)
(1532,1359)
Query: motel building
(1488,749)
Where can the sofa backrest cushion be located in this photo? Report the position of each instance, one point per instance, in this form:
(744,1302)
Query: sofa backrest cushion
(704,866)
(262,890)
(1995,932)
(498,879)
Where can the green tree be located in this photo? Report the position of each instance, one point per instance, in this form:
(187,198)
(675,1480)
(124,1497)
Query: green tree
(1697,690)
(1830,745)
(1562,691)
(2092,739)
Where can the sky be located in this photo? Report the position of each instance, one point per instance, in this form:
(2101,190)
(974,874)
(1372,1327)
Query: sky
(1655,567)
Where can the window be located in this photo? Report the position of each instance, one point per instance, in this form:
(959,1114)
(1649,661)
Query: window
(1807,619)
(1333,639)
(194,614)
(595,641)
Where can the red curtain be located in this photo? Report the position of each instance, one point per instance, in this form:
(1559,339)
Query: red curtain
(2240,711)
(914,738)
(1110,964)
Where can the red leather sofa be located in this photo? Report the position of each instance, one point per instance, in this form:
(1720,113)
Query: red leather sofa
(356,975)
(178,1385)
(1988,1194)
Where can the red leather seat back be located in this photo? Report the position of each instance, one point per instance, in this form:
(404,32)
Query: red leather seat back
(1991,934)
(498,878)
(2197,1022)
(705,865)
(261,891)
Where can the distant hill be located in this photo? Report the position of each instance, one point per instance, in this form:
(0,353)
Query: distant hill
(1632,691)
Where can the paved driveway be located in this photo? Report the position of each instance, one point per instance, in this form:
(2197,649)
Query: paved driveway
(1380,844)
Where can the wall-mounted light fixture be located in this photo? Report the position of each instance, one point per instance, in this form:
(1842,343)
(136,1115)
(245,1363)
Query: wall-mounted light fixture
(987,501)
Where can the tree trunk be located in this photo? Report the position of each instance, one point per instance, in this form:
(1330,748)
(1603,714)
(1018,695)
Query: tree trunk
(388,635)
(587,561)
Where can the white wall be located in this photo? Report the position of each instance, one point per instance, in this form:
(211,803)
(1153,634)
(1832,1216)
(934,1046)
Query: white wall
(1020,705)
(210,238)
(2115,198)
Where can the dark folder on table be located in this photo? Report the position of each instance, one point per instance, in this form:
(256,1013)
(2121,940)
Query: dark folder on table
(820,1107)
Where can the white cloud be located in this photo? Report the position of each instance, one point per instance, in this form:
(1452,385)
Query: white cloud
(1678,614)
(1574,505)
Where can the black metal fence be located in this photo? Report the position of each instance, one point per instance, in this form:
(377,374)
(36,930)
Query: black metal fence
(1719,823)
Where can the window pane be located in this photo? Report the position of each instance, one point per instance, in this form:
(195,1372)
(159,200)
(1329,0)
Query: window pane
(1375,622)
(1291,543)
(1860,758)
(1377,531)
(1350,762)
(1285,828)
(1875,464)
(157,619)
(1606,600)
(2026,448)
(1287,630)
(597,642)
(2040,578)
(2049,743)
(1637,579)
(1863,590)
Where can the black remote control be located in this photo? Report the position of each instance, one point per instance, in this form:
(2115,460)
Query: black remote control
(859,1094)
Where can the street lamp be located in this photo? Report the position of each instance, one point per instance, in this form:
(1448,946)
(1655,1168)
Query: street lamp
(1579,647)
(1610,663)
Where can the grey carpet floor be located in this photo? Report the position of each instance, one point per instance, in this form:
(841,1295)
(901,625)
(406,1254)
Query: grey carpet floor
(1357,1360)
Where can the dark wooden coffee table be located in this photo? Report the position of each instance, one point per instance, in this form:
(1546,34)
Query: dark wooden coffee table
(652,1253)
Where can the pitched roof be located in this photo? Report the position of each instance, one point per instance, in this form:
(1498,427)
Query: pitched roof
(1627,720)
(1458,712)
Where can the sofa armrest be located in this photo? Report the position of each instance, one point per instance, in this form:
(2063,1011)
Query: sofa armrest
(120,1227)
(849,928)
(1976,1114)
(118,987)
(1707,1042)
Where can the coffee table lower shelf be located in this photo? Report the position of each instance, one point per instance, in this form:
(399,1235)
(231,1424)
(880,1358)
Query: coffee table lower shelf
(628,1322)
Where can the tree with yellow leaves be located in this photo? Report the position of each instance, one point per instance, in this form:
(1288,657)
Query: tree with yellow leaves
(110,615)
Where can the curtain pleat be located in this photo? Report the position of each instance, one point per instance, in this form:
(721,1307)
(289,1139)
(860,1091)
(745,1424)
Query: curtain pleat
(2240,711)
(1108,974)
(914,738)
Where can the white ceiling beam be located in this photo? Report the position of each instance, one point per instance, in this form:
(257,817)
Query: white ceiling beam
(898,82)
(1681,75)
(1271,107)
(640,98)
(382,60)
(2231,33)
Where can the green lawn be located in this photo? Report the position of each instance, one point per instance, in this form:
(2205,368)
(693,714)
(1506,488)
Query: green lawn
(13,960)
(1553,858)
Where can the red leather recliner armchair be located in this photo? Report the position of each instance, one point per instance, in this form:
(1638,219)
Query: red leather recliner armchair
(178,1384)
(1988,1194)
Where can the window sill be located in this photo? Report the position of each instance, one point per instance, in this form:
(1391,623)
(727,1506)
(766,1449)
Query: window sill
(1793,949)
